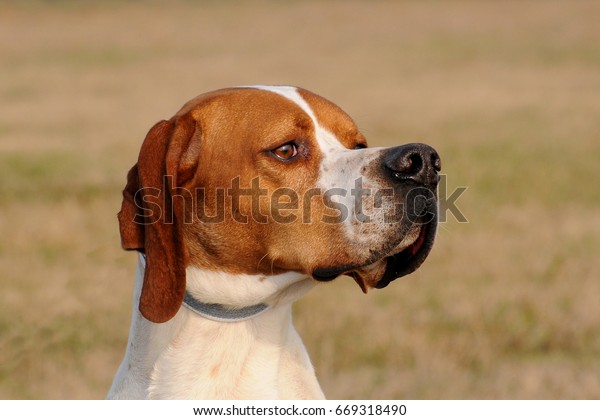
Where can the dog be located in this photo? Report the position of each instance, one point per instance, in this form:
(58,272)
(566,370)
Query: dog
(237,206)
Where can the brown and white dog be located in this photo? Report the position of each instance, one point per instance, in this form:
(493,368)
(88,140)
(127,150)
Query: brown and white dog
(240,204)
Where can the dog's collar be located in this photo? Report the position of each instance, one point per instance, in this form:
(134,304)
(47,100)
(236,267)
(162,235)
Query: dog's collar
(221,313)
(216,311)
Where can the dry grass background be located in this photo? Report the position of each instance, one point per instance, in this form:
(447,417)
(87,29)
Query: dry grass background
(507,306)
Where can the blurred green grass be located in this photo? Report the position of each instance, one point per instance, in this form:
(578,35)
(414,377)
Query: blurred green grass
(505,307)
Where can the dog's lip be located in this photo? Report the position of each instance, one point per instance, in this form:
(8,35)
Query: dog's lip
(329,273)
(410,259)
(397,265)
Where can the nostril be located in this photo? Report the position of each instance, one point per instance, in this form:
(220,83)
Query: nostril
(410,164)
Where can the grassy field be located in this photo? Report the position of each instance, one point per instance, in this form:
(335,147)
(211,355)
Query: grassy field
(508,304)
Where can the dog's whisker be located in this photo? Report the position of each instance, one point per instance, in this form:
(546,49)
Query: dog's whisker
(444,227)
(261,260)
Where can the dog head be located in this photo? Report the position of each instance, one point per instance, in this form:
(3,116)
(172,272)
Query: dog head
(267,180)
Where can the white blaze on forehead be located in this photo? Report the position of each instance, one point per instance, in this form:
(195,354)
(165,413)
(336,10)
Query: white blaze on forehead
(326,139)
(291,93)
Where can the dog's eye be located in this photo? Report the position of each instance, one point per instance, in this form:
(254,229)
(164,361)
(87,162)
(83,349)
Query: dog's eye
(360,146)
(286,152)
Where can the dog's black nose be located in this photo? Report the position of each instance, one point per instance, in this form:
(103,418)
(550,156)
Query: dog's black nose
(416,161)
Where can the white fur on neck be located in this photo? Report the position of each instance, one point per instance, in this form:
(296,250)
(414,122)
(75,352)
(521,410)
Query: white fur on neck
(191,357)
(240,290)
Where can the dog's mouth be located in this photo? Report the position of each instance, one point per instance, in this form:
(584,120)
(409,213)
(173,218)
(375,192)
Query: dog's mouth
(384,270)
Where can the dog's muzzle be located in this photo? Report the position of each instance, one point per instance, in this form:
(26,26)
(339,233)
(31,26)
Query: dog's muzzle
(413,172)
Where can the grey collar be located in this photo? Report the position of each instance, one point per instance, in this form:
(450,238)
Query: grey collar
(216,311)
(221,313)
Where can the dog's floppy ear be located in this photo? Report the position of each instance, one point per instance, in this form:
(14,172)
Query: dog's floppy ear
(150,221)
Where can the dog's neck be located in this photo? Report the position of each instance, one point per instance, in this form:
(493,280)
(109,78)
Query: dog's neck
(193,357)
